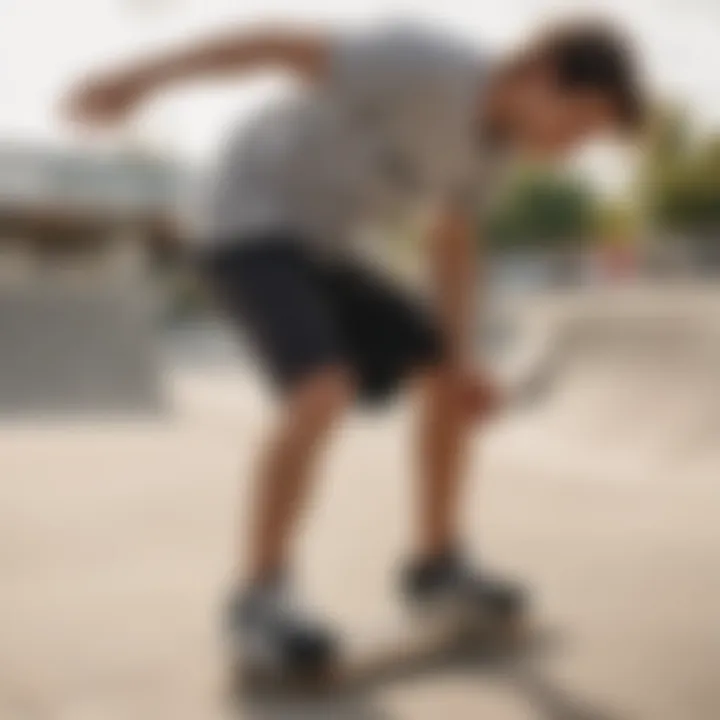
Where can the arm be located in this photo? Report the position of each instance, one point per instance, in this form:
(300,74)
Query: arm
(108,98)
(455,275)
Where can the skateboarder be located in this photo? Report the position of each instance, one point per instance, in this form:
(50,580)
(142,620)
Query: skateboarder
(392,123)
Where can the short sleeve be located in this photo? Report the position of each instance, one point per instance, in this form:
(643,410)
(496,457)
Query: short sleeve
(376,66)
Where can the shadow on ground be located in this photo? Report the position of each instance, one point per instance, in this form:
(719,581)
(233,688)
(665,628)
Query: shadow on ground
(520,673)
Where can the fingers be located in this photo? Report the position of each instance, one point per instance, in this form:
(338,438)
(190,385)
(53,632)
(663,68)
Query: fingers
(85,107)
(484,399)
(473,396)
(101,102)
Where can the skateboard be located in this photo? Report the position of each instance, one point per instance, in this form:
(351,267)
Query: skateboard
(396,647)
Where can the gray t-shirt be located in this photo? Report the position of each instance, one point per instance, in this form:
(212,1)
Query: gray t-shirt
(388,134)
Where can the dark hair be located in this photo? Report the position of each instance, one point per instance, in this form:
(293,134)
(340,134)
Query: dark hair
(596,56)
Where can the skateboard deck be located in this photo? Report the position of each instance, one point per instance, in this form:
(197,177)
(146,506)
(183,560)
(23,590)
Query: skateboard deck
(396,646)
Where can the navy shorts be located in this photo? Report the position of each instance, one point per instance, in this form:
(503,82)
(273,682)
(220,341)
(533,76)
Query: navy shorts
(301,314)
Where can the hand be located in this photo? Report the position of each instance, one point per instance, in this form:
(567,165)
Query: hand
(105,100)
(473,393)
(482,397)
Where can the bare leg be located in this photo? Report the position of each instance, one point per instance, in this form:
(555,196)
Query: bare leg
(444,426)
(440,571)
(286,464)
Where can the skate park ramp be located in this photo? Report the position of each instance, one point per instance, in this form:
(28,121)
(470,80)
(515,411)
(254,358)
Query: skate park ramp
(631,376)
(116,540)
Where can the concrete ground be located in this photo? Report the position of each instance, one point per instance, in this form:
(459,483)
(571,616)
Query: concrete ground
(116,542)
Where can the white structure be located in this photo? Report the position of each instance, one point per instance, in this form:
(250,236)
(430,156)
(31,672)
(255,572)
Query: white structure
(77,321)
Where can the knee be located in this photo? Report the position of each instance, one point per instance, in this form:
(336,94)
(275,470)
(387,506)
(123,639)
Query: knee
(322,397)
(455,396)
(442,386)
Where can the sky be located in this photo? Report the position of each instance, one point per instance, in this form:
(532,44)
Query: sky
(46,44)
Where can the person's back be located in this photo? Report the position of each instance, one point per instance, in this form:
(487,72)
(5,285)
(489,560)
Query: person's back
(388,133)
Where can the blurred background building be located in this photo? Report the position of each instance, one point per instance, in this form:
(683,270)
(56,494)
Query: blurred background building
(79,236)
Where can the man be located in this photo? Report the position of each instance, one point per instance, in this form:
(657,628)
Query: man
(385,124)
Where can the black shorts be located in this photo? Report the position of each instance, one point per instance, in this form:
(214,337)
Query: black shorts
(301,314)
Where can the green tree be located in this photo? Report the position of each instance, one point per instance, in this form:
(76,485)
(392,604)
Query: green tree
(542,211)
(687,195)
(616,222)
(680,178)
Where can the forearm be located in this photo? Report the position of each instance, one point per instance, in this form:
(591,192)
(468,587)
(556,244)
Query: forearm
(454,279)
(235,53)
